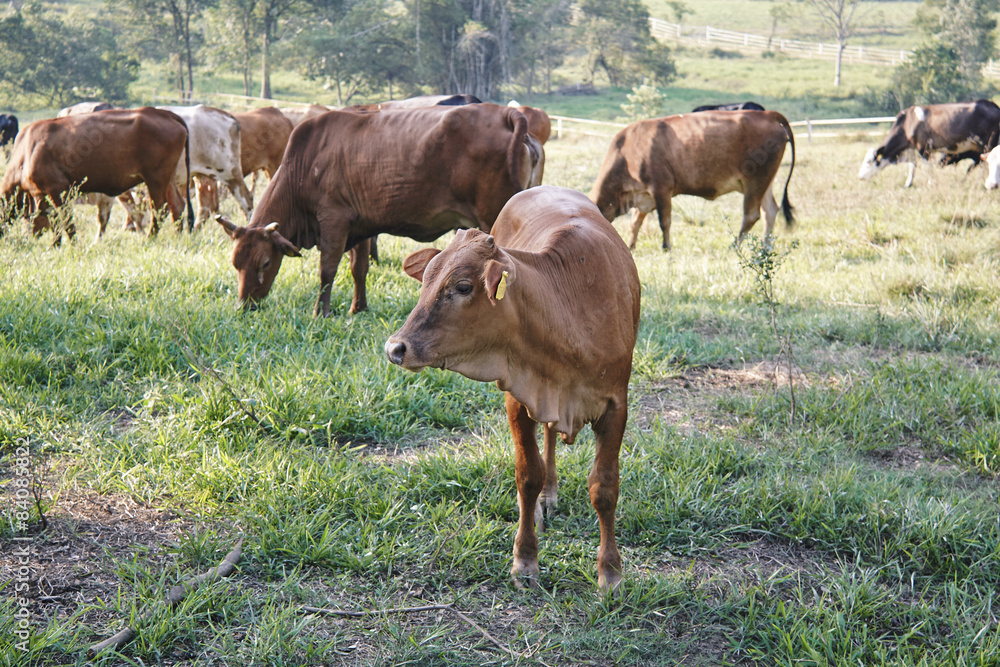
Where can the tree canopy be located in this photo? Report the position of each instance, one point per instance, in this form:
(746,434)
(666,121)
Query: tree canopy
(375,48)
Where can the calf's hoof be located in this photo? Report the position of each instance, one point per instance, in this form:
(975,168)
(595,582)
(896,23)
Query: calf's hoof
(610,582)
(524,574)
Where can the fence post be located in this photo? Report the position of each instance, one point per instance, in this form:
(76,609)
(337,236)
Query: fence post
(746,39)
(809,129)
(559,129)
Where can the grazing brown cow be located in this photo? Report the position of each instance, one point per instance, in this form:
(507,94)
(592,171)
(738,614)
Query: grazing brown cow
(107,152)
(349,175)
(706,154)
(958,131)
(265,134)
(548,308)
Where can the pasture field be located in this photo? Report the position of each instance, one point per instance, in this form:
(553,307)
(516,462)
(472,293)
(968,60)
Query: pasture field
(164,425)
(882,24)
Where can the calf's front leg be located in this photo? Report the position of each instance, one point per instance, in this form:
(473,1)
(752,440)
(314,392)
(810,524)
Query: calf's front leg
(529,473)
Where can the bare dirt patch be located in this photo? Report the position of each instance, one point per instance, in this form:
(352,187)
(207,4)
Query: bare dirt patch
(75,561)
(687,402)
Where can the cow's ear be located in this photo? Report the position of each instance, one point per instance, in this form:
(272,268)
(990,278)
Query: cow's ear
(497,277)
(416,262)
(232,229)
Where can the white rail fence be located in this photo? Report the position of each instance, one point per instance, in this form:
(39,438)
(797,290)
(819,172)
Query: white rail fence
(563,125)
(707,35)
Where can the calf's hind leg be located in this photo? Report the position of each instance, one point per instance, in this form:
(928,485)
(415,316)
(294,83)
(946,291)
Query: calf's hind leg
(603,484)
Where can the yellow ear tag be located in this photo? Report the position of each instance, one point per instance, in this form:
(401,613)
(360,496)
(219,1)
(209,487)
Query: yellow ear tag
(502,286)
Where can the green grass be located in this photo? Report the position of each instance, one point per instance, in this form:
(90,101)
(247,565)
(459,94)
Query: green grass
(865,532)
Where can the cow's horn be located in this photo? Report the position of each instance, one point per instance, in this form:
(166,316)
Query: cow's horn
(490,241)
(271,228)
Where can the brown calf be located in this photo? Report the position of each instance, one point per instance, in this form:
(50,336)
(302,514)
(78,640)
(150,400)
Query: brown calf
(546,306)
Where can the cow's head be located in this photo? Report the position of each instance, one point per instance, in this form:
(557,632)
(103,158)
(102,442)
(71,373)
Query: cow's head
(257,255)
(463,309)
(992,160)
(872,163)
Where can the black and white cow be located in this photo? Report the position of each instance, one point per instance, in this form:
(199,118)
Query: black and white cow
(958,130)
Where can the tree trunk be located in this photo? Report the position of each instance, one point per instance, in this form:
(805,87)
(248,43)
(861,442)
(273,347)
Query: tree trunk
(265,72)
(187,50)
(840,54)
(180,73)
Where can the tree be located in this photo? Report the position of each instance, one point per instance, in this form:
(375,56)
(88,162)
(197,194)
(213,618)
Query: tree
(779,11)
(44,57)
(365,50)
(168,23)
(679,9)
(966,26)
(235,25)
(839,15)
(619,42)
(271,13)
(541,29)
(932,75)
(644,101)
(464,46)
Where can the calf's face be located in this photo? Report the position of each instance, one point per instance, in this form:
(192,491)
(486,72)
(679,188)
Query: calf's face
(459,315)
(257,255)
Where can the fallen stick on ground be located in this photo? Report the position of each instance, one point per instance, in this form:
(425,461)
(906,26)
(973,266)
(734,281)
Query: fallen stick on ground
(174,597)
(406,610)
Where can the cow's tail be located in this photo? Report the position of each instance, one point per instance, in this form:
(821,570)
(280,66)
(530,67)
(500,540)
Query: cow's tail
(187,179)
(786,206)
(518,122)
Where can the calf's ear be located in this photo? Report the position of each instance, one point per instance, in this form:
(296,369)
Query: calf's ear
(497,277)
(416,262)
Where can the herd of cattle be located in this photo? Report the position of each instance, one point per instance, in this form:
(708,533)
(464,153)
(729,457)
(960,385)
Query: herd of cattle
(541,265)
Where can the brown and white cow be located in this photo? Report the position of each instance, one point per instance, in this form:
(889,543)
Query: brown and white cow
(958,131)
(215,155)
(263,136)
(546,306)
(349,175)
(107,152)
(706,154)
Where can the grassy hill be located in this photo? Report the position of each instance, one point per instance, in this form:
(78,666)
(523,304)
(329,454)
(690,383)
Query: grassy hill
(884,24)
